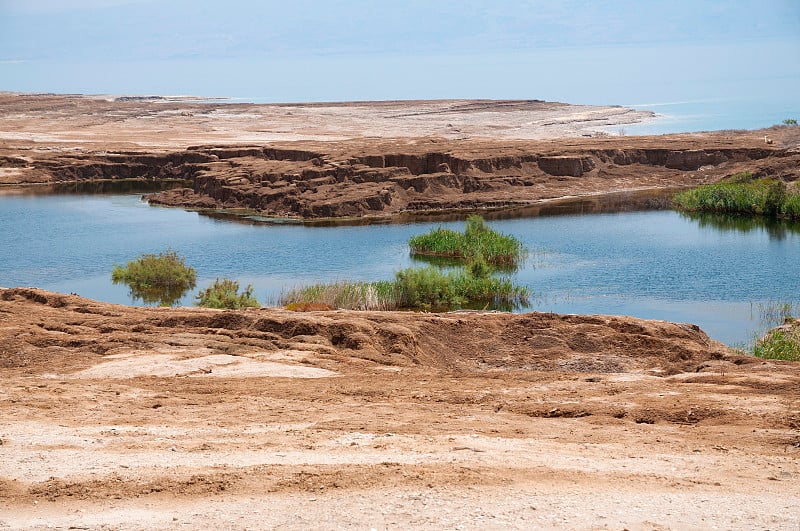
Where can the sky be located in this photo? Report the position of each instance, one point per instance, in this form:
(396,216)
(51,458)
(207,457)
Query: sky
(581,51)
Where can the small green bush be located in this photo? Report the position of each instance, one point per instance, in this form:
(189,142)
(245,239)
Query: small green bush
(224,294)
(156,279)
(790,121)
(427,288)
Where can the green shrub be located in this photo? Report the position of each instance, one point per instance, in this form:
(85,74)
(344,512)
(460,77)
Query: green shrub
(790,121)
(426,288)
(224,294)
(790,208)
(156,279)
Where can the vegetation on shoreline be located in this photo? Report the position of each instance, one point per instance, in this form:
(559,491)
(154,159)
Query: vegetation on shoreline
(782,343)
(156,279)
(477,240)
(480,252)
(224,294)
(417,288)
(741,194)
(342,295)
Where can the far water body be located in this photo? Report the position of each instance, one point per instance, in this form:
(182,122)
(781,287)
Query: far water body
(651,264)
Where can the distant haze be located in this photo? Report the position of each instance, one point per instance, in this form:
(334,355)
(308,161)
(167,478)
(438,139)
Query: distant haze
(582,51)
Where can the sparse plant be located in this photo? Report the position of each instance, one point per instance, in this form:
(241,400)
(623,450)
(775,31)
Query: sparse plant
(156,279)
(790,122)
(224,294)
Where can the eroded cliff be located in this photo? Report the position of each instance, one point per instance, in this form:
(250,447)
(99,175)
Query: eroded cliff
(385,177)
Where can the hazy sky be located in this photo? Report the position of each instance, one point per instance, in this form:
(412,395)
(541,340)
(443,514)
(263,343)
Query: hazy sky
(365,49)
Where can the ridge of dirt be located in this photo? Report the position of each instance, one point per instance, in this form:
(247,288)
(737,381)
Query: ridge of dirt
(409,164)
(472,419)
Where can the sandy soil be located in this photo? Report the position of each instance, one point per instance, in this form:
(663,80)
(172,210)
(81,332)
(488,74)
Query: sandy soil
(268,419)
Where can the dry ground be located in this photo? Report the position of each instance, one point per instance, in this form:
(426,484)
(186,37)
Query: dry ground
(132,418)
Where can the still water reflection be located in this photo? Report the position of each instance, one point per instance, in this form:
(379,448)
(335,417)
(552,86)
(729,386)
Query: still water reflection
(652,264)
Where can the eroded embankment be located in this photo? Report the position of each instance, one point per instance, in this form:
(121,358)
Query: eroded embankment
(42,327)
(389,177)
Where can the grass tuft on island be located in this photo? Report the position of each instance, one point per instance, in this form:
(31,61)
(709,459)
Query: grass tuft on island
(500,250)
(742,194)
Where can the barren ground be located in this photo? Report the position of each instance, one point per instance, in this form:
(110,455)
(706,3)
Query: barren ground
(116,417)
(188,418)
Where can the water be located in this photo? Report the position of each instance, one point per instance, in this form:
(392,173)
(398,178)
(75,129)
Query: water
(652,264)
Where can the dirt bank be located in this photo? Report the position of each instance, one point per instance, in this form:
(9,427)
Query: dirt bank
(386,165)
(113,416)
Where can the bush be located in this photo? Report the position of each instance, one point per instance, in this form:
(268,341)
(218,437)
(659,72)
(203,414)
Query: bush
(790,121)
(430,289)
(427,288)
(156,279)
(224,294)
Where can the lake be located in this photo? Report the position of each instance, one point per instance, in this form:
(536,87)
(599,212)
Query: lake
(714,272)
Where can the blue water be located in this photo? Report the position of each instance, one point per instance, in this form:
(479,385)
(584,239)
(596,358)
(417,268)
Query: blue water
(655,265)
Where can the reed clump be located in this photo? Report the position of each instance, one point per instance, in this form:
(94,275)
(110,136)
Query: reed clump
(478,239)
(429,288)
(743,195)
(345,295)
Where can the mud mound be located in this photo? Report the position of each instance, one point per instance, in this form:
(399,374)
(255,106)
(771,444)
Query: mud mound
(46,330)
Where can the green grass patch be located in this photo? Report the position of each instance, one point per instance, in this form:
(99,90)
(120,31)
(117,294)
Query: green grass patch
(740,194)
(781,343)
(478,239)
